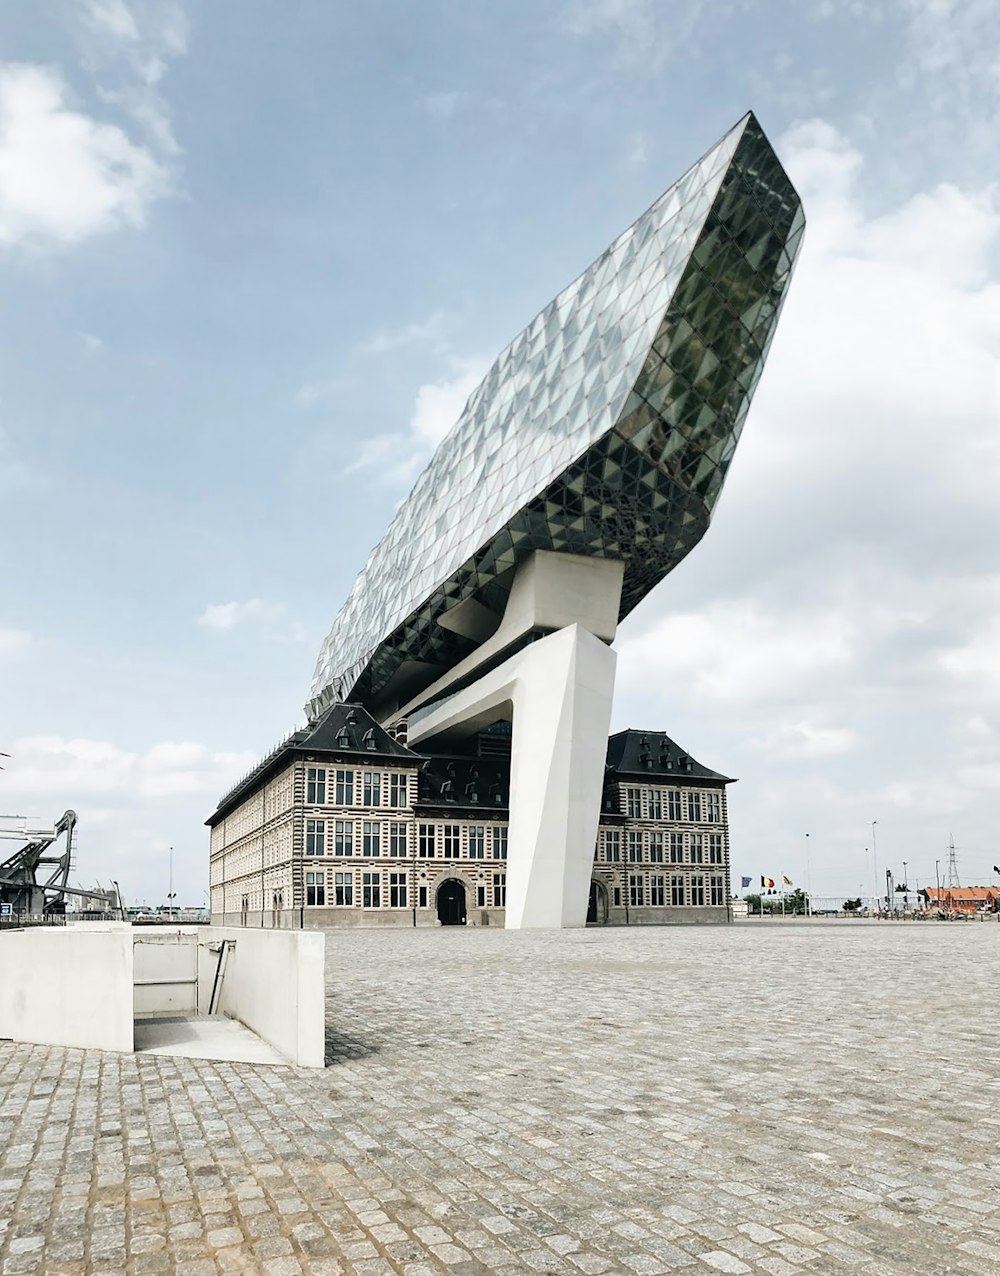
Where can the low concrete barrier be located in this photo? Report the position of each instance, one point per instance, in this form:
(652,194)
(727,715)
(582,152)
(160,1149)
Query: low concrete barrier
(67,986)
(274,982)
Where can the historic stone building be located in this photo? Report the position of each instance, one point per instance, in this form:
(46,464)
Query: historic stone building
(343,825)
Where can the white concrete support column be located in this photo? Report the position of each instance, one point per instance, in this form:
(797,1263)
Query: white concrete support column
(560,690)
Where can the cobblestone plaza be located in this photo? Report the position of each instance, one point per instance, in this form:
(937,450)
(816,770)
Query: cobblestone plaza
(768,1098)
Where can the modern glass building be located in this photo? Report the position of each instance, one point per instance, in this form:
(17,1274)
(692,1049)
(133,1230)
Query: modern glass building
(604,430)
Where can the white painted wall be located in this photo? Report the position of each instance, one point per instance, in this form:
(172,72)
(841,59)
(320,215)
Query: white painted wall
(166,971)
(67,986)
(274,983)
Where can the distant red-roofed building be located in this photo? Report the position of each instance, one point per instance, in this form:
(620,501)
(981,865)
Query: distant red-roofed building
(962,899)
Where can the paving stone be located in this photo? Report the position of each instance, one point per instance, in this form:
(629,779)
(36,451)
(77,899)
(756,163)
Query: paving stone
(750,1099)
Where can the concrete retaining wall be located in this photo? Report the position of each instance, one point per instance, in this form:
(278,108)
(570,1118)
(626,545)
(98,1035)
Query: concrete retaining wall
(67,986)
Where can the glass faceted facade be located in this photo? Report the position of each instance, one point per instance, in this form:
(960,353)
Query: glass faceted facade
(605,428)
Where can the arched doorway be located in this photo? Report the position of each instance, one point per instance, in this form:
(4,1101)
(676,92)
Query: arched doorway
(597,904)
(451,903)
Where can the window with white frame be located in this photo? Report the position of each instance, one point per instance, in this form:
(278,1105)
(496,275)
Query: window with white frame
(634,847)
(343,837)
(397,839)
(694,807)
(371,837)
(716,894)
(371,890)
(656,848)
(397,890)
(713,808)
(673,804)
(315,837)
(657,890)
(477,842)
(675,843)
(696,851)
(715,848)
(425,841)
(398,789)
(343,890)
(697,891)
(612,846)
(635,890)
(451,841)
(371,788)
(655,800)
(633,803)
(676,890)
(343,788)
(499,890)
(315,889)
(316,785)
(500,841)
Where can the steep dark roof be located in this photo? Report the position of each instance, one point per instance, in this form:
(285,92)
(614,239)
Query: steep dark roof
(343,730)
(474,784)
(651,753)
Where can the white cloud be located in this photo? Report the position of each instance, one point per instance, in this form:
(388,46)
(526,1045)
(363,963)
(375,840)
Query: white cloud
(397,458)
(70,771)
(807,740)
(63,175)
(223,616)
(15,642)
(429,331)
(443,105)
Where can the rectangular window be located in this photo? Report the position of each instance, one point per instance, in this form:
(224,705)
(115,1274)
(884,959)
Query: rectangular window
(315,889)
(422,897)
(635,848)
(451,841)
(676,890)
(616,894)
(315,837)
(695,848)
(612,846)
(425,841)
(343,890)
(371,788)
(673,804)
(716,895)
(316,785)
(694,807)
(343,837)
(633,803)
(371,837)
(477,842)
(499,890)
(635,890)
(480,896)
(698,891)
(655,799)
(398,790)
(715,848)
(657,891)
(676,843)
(656,848)
(344,788)
(500,842)
(397,840)
(371,890)
(713,808)
(397,890)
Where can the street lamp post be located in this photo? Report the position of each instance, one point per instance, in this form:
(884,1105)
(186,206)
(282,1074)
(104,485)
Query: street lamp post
(875,861)
(906,889)
(937,878)
(808,887)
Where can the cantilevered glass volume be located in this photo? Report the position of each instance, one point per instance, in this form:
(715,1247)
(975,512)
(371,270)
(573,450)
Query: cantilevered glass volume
(605,429)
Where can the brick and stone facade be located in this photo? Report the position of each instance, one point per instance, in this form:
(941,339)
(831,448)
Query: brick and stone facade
(343,825)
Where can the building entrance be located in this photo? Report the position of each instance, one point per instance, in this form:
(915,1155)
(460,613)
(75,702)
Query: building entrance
(451,903)
(597,913)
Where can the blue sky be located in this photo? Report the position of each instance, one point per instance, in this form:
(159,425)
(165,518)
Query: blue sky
(254,257)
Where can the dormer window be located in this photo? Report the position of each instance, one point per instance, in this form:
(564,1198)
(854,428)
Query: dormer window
(368,739)
(343,740)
